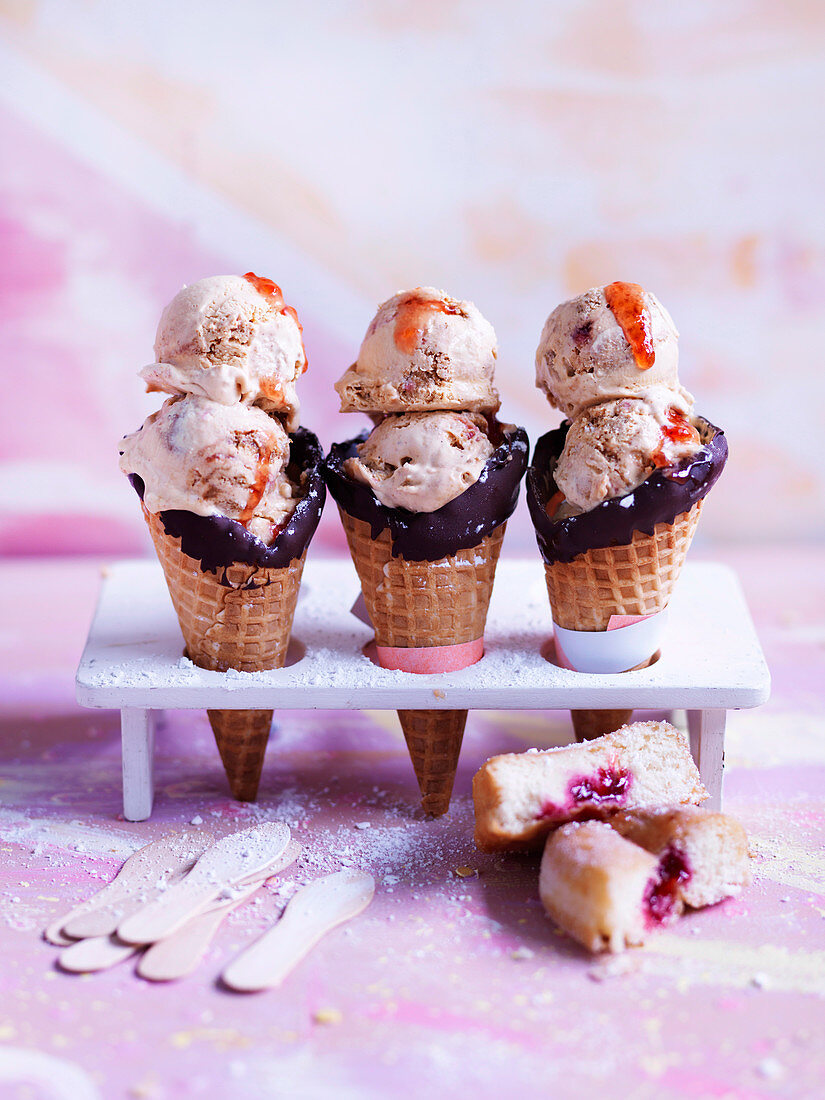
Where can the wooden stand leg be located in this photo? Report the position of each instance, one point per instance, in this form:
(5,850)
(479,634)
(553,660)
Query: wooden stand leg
(137,732)
(707,743)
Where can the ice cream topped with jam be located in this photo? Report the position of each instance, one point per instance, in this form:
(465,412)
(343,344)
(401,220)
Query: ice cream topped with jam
(200,456)
(230,338)
(423,350)
(612,341)
(609,360)
(229,351)
(425,373)
(614,446)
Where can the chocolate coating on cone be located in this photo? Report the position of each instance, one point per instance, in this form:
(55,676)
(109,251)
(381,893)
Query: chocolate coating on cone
(217,542)
(460,524)
(663,496)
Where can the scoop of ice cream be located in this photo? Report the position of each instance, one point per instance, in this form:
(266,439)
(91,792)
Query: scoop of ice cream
(421,461)
(612,341)
(423,351)
(214,460)
(230,338)
(613,447)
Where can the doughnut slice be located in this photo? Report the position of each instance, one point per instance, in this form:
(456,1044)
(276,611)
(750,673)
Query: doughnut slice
(603,890)
(520,797)
(712,848)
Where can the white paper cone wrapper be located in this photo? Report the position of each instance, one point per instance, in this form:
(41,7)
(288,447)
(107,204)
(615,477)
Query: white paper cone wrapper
(620,648)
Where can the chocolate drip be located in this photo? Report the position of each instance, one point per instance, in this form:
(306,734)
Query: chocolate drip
(217,542)
(659,499)
(461,523)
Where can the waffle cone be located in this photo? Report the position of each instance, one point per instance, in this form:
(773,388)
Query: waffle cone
(423,603)
(635,579)
(589,724)
(241,737)
(434,742)
(240,618)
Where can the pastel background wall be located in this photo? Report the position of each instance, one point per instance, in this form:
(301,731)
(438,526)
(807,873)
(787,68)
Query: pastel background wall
(512,154)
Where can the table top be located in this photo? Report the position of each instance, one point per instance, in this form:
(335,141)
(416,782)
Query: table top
(711,655)
(445,983)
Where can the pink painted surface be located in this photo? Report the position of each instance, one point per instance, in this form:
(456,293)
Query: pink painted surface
(87,268)
(445,984)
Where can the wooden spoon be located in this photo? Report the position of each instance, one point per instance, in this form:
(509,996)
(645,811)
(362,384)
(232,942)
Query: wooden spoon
(184,950)
(162,860)
(312,912)
(235,857)
(179,954)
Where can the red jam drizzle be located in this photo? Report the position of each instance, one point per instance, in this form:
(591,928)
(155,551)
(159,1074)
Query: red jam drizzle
(554,503)
(627,304)
(272,292)
(605,789)
(413,313)
(662,892)
(259,488)
(267,288)
(678,430)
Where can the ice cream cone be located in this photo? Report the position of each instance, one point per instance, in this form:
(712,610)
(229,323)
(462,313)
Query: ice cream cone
(419,604)
(615,491)
(621,558)
(231,487)
(423,603)
(237,617)
(241,737)
(590,724)
(434,742)
(634,579)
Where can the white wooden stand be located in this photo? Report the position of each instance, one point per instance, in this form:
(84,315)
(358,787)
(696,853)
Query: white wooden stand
(711,661)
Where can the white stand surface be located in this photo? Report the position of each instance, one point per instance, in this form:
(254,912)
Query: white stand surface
(711,661)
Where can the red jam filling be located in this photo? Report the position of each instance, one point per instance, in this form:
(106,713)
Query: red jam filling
(414,311)
(663,890)
(554,503)
(677,430)
(627,304)
(605,789)
(607,786)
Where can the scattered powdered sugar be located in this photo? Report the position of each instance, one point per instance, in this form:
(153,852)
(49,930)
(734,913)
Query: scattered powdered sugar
(72,838)
(522,953)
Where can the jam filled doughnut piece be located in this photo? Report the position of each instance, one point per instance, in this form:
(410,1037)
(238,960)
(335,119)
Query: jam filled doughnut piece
(520,797)
(712,849)
(603,890)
